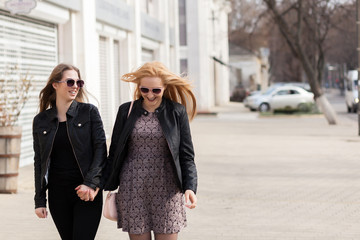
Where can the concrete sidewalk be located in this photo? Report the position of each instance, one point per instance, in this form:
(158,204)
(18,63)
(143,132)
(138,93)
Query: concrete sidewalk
(259,178)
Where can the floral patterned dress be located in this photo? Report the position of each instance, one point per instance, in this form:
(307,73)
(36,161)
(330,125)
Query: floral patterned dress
(148,197)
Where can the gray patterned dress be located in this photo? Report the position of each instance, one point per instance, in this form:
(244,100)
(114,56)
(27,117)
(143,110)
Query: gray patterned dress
(149,198)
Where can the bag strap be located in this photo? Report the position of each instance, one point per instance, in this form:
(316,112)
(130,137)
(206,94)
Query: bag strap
(132,103)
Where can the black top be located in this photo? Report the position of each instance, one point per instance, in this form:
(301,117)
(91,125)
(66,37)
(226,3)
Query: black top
(64,169)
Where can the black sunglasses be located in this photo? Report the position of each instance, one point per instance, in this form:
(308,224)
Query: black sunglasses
(70,82)
(154,90)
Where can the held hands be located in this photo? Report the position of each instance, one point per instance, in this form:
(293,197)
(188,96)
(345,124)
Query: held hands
(190,199)
(86,193)
(41,212)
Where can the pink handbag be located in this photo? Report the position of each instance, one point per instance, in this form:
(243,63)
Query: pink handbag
(110,211)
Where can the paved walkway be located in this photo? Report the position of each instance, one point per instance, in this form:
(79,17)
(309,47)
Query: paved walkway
(259,178)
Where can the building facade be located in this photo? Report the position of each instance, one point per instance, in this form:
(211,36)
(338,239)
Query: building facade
(104,38)
(248,70)
(107,38)
(204,51)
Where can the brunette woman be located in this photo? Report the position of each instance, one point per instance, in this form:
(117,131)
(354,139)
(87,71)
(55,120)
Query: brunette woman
(151,155)
(70,151)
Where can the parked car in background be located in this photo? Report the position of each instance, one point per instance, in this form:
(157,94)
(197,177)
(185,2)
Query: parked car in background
(351,91)
(250,96)
(252,100)
(305,86)
(285,97)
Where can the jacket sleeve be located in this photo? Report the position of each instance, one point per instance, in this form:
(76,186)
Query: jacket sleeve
(186,154)
(119,122)
(98,139)
(40,193)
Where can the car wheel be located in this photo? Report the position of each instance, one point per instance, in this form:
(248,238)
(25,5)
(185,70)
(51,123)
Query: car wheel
(349,109)
(303,107)
(264,107)
(354,108)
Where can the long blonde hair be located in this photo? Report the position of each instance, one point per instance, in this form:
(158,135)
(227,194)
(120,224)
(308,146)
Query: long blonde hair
(48,95)
(178,89)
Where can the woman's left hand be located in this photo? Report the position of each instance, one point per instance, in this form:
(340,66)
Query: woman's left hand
(190,199)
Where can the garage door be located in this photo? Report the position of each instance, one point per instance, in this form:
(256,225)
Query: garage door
(31,46)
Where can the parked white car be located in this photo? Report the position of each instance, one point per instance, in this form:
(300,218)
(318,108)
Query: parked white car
(351,91)
(252,95)
(284,97)
(252,100)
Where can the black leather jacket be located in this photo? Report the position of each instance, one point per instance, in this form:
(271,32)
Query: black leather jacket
(175,126)
(87,137)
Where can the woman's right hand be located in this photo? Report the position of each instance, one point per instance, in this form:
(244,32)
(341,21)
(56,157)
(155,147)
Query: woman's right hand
(41,212)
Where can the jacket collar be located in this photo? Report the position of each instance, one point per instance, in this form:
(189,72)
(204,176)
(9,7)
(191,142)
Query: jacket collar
(72,109)
(52,112)
(159,109)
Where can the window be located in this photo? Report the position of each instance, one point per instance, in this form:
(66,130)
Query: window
(293,92)
(183,66)
(147,55)
(149,7)
(283,92)
(182,22)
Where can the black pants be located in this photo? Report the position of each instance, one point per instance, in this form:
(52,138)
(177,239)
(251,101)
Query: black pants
(74,218)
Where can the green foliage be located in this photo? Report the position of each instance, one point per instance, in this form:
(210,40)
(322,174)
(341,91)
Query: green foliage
(304,109)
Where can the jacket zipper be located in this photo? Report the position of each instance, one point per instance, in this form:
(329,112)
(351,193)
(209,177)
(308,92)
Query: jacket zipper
(67,129)
(48,158)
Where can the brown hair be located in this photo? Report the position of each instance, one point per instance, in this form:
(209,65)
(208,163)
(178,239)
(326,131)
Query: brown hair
(48,94)
(178,89)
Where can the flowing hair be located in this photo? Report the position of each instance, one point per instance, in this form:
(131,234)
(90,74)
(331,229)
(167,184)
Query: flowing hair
(178,89)
(47,95)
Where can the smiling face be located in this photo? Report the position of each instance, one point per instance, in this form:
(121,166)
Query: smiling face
(151,100)
(63,92)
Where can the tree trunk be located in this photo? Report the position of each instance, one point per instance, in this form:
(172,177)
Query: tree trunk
(314,79)
(326,109)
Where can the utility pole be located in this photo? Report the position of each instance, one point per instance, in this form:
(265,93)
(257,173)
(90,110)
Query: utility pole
(358,54)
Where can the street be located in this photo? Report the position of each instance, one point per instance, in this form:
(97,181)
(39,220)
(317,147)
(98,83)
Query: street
(260,178)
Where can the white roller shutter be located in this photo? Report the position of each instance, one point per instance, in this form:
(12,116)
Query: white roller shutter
(117,74)
(32,46)
(147,55)
(105,101)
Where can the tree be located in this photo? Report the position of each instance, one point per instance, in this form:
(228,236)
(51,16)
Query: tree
(247,25)
(305,26)
(341,42)
(284,67)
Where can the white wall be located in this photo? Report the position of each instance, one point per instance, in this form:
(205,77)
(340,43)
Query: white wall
(250,66)
(79,30)
(207,38)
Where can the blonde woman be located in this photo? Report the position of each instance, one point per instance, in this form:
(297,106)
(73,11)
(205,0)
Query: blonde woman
(151,156)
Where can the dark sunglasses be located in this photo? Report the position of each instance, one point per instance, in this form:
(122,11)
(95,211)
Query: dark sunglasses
(154,90)
(70,82)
